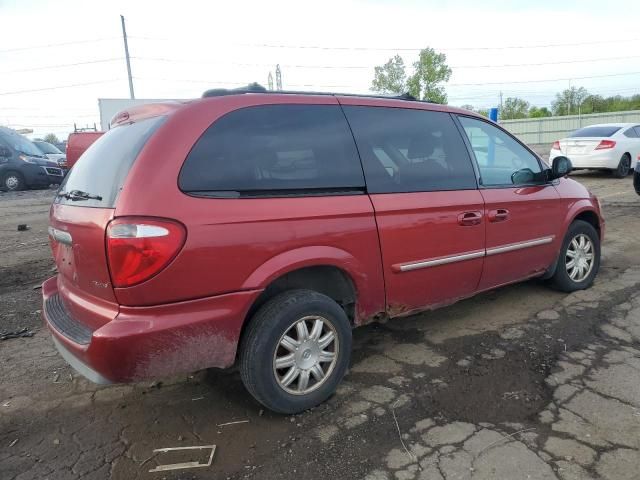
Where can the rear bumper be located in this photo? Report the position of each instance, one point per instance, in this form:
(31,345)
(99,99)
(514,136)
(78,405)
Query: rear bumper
(606,159)
(149,342)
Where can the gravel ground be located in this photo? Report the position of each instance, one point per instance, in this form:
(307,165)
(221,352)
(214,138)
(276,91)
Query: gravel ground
(520,382)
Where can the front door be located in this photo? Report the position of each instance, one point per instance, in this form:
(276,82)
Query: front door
(428,209)
(521,208)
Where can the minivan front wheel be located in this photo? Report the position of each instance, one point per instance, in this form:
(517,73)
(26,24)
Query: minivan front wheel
(13,181)
(579,259)
(295,351)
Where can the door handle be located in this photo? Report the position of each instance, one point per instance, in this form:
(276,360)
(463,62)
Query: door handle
(499,215)
(467,219)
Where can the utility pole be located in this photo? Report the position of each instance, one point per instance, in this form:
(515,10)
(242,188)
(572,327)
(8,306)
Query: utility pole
(126,55)
(270,81)
(278,78)
(500,102)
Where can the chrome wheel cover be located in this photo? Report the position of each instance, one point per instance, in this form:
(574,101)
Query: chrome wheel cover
(580,258)
(306,355)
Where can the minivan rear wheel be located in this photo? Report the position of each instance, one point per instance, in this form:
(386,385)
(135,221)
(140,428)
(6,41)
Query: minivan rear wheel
(579,259)
(12,182)
(295,351)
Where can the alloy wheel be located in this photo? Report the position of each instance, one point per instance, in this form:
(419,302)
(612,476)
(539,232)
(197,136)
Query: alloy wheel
(306,355)
(579,259)
(11,182)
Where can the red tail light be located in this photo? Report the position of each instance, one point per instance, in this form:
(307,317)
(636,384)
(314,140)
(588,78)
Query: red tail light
(139,248)
(605,144)
(556,145)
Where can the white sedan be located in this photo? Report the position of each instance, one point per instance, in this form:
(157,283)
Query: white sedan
(611,146)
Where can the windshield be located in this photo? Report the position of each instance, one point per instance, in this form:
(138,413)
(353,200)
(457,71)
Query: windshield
(604,131)
(21,144)
(47,147)
(103,168)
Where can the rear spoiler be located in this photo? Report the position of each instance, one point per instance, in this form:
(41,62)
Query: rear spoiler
(142,112)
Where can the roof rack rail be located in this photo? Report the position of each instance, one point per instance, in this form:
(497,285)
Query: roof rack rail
(257,88)
(220,92)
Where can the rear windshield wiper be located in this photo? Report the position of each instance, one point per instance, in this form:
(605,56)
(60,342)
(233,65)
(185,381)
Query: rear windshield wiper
(76,195)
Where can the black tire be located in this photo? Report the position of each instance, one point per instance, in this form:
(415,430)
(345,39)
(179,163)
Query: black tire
(624,167)
(13,182)
(561,279)
(261,342)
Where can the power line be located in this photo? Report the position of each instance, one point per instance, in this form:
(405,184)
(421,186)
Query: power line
(236,64)
(552,45)
(64,65)
(54,116)
(413,49)
(58,87)
(369,67)
(31,125)
(221,82)
(542,81)
(52,45)
(547,63)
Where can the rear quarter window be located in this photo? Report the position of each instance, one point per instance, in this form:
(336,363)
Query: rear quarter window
(274,150)
(103,167)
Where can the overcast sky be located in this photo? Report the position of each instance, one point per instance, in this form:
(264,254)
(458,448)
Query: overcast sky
(181,48)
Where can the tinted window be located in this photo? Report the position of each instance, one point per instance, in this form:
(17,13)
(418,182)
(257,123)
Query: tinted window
(103,167)
(631,133)
(272,150)
(501,159)
(637,129)
(406,150)
(605,131)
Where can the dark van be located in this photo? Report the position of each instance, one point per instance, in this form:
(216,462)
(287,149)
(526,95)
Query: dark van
(23,165)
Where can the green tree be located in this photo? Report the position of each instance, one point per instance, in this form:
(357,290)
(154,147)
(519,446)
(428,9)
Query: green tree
(569,101)
(594,104)
(535,112)
(430,71)
(51,138)
(390,77)
(514,108)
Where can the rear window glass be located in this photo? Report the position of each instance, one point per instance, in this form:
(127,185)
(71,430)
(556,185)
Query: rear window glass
(606,131)
(275,150)
(103,167)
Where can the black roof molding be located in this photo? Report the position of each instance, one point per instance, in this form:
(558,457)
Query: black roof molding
(257,88)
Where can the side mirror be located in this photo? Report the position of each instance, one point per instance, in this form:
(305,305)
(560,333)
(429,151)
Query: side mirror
(4,152)
(560,167)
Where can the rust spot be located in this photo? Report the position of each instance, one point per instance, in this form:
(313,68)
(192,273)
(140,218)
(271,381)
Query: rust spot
(185,353)
(397,310)
(363,319)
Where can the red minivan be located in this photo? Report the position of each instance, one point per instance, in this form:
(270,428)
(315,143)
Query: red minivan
(258,228)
